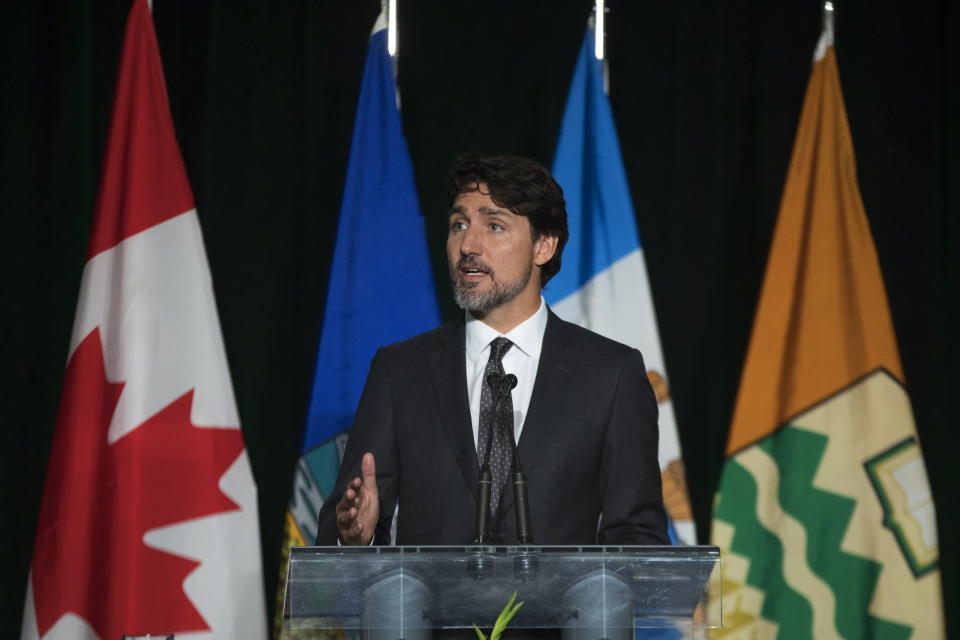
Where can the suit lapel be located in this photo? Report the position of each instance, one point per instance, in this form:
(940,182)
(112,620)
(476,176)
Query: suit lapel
(546,406)
(449,373)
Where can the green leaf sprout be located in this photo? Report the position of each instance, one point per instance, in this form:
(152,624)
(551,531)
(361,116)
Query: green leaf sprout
(502,620)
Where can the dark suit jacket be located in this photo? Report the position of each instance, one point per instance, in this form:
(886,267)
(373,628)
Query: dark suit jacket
(588,445)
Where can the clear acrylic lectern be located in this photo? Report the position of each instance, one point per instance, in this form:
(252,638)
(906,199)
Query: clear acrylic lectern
(588,593)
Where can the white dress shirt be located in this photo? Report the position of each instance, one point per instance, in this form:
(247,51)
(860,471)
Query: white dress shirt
(522,360)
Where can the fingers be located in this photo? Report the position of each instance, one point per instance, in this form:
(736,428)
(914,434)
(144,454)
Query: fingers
(368,469)
(358,508)
(350,496)
(345,522)
(348,524)
(351,530)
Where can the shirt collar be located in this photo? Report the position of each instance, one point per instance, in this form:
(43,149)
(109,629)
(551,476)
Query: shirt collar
(526,336)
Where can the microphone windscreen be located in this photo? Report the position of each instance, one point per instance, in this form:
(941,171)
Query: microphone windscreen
(511,380)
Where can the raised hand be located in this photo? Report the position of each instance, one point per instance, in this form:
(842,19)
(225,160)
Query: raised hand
(359,508)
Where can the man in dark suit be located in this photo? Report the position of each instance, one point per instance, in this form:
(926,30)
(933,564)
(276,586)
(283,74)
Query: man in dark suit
(583,409)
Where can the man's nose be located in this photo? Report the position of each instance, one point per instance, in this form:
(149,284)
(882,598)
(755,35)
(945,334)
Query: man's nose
(470,242)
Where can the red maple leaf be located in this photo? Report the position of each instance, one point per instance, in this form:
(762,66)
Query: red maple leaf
(100,499)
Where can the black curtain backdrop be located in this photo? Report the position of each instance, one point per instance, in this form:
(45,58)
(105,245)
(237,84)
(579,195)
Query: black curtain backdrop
(706,96)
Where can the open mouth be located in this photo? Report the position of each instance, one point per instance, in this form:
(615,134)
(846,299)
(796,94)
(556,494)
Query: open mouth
(473,271)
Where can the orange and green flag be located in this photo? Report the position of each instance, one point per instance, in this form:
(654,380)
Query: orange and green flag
(824,514)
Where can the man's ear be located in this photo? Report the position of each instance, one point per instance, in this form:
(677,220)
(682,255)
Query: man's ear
(544,248)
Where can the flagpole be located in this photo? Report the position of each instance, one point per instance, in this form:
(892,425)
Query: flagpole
(600,40)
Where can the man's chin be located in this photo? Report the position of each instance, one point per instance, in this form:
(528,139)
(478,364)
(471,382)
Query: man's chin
(481,297)
(470,298)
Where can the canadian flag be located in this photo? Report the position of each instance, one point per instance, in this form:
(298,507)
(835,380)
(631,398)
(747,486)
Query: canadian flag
(149,516)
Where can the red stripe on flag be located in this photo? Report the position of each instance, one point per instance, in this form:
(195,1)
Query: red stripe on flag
(143,181)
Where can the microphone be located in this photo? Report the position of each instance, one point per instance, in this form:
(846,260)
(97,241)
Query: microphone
(520,503)
(485,484)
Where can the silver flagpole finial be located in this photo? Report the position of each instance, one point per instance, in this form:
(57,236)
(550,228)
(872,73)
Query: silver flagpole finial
(393,44)
(599,29)
(388,8)
(828,12)
(599,21)
(826,35)
(388,13)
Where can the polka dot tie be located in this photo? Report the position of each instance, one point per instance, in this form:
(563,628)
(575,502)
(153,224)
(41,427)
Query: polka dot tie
(501,425)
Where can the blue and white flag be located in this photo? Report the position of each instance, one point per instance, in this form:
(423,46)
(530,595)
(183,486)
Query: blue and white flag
(603,284)
(381,287)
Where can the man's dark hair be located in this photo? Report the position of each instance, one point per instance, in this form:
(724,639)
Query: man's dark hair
(524,187)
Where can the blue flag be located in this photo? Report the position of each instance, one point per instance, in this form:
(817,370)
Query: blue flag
(381,287)
(603,284)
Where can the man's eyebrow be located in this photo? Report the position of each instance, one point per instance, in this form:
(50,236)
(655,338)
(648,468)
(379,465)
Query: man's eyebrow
(487,211)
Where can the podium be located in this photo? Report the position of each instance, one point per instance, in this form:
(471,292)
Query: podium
(586,592)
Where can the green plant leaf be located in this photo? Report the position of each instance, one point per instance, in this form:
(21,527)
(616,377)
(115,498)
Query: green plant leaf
(502,620)
(505,617)
(480,635)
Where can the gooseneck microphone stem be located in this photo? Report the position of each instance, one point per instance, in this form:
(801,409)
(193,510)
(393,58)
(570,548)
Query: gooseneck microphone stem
(520,503)
(483,506)
(521,509)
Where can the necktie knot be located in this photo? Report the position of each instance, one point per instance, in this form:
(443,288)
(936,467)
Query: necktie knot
(499,347)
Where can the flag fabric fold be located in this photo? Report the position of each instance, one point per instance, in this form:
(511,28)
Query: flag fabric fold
(824,513)
(148,522)
(603,284)
(381,288)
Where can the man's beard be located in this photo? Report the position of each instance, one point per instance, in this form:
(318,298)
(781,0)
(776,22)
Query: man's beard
(469,298)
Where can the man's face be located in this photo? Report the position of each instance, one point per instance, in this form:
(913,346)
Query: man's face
(490,252)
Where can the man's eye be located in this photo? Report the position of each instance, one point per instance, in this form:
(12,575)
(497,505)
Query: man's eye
(458,226)
(495,227)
